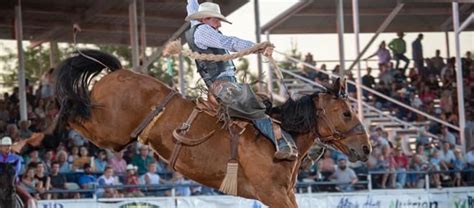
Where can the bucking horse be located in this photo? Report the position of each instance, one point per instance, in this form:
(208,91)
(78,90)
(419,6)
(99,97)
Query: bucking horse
(110,111)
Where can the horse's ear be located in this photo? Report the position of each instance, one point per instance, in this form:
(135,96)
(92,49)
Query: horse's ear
(336,87)
(343,85)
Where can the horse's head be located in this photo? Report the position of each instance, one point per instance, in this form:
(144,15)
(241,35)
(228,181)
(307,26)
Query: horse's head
(338,126)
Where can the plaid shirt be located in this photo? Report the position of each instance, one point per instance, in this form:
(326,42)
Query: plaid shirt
(206,36)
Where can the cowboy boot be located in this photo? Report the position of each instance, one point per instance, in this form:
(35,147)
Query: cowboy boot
(286,147)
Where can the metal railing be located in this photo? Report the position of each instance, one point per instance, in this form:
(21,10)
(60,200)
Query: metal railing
(309,187)
(373,92)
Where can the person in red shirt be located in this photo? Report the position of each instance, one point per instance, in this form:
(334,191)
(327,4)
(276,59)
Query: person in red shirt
(400,165)
(132,179)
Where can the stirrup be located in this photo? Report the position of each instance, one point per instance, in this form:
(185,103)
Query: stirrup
(286,149)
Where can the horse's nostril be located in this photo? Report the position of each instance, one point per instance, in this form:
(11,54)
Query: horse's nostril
(366,149)
(353,150)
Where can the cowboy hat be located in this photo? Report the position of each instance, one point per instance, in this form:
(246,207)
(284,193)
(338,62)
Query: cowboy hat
(6,141)
(207,9)
(131,167)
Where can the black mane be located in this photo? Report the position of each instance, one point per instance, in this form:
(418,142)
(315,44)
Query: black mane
(298,116)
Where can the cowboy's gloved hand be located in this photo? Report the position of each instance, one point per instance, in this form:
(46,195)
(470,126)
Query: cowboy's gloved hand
(268,51)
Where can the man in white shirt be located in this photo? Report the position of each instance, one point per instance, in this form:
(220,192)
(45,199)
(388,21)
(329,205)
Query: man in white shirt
(344,176)
(205,38)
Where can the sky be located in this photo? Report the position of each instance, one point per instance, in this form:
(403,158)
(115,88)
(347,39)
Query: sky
(323,46)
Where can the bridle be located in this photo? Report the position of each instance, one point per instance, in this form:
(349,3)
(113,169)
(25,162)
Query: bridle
(335,135)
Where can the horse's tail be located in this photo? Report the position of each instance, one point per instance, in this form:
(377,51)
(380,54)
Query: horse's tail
(72,80)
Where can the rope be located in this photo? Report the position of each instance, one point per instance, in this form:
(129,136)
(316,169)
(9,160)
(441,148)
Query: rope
(76,29)
(175,48)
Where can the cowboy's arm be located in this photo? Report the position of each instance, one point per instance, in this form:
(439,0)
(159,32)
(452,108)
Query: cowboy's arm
(192,7)
(207,36)
(19,160)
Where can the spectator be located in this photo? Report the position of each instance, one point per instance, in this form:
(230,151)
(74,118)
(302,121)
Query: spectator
(470,157)
(142,160)
(466,63)
(44,181)
(48,160)
(132,179)
(12,132)
(447,156)
(384,57)
(447,136)
(101,161)
(310,73)
(74,155)
(178,179)
(438,62)
(417,52)
(398,47)
(32,157)
(76,138)
(369,81)
(322,77)
(87,180)
(435,165)
(64,165)
(401,166)
(30,183)
(344,176)
(83,159)
(118,163)
(24,132)
(151,178)
(326,165)
(105,181)
(459,165)
(58,180)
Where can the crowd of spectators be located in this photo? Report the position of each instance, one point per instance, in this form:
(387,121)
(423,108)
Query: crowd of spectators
(430,86)
(77,166)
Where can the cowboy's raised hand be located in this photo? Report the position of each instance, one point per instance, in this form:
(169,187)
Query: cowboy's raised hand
(268,51)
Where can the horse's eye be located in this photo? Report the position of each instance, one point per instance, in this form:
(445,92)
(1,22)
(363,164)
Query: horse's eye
(347,114)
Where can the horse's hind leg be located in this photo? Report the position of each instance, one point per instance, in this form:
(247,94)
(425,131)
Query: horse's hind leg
(277,199)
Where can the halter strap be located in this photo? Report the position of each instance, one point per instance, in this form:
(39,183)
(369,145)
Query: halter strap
(357,129)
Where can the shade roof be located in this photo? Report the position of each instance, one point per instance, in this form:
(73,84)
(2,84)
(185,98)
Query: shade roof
(101,21)
(319,16)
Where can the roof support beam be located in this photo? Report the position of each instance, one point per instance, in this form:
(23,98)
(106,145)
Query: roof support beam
(377,12)
(448,23)
(459,79)
(466,22)
(134,34)
(340,35)
(157,53)
(286,14)
(21,62)
(98,7)
(381,28)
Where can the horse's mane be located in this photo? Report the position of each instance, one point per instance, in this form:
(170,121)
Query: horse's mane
(73,77)
(297,116)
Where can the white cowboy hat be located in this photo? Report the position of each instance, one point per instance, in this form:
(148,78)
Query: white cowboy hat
(207,9)
(131,167)
(6,141)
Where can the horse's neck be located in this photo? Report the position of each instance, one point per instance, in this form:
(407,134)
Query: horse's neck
(304,143)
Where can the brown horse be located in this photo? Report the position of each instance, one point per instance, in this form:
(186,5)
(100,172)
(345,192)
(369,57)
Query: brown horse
(119,102)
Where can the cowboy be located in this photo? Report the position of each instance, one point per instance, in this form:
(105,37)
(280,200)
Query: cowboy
(219,76)
(8,156)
